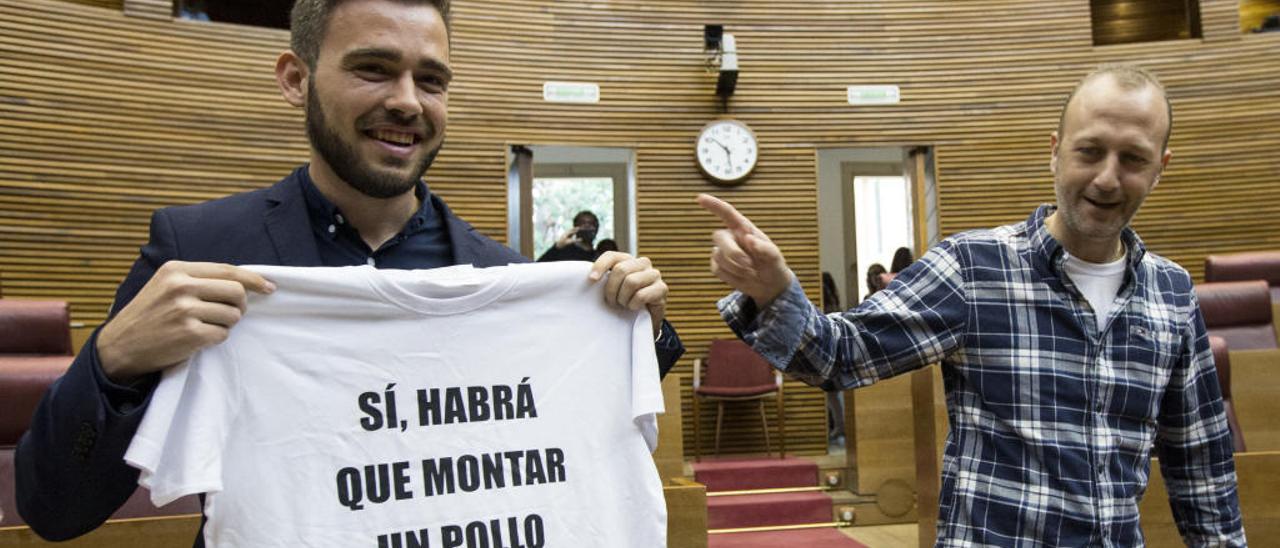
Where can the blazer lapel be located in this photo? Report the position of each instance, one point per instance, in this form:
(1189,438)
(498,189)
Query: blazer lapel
(288,225)
(471,247)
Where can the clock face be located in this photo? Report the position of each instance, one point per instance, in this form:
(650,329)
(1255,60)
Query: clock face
(727,151)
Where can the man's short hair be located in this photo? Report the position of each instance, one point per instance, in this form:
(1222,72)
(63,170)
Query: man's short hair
(1129,78)
(577,219)
(309,21)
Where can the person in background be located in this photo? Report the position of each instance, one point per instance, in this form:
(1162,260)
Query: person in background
(875,281)
(194,10)
(575,245)
(902,258)
(606,244)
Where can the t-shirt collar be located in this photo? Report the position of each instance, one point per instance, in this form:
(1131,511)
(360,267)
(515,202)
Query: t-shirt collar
(1050,250)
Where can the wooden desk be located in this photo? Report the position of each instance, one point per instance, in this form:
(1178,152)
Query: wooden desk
(1258,476)
(669,456)
(157,532)
(1255,391)
(686,513)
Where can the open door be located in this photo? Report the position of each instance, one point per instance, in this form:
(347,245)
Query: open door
(548,185)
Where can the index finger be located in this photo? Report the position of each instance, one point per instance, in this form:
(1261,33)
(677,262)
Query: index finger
(726,212)
(249,279)
(605,262)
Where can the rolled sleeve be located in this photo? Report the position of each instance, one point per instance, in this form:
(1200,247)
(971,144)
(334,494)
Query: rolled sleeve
(916,321)
(776,331)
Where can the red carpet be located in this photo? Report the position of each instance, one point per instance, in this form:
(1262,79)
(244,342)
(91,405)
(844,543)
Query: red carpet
(767,510)
(740,474)
(762,510)
(800,538)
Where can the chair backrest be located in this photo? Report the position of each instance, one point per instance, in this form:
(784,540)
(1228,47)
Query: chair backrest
(732,363)
(1222,361)
(1239,312)
(23,381)
(35,327)
(1238,267)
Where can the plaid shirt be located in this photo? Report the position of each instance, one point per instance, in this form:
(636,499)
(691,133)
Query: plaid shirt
(1052,422)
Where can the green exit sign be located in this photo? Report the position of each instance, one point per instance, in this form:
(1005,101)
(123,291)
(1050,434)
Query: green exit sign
(874,95)
(570,92)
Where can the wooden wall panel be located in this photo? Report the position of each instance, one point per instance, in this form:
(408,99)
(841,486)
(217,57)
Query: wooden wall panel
(151,9)
(100,124)
(1128,21)
(1254,12)
(1220,20)
(109,4)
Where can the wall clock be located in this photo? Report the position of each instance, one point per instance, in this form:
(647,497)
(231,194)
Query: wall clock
(727,151)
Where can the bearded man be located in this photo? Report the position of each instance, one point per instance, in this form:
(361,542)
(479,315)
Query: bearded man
(373,77)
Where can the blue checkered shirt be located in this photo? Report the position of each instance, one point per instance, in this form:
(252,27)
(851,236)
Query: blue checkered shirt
(1053,422)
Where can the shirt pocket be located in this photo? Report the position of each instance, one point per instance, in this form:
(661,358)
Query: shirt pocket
(1148,351)
(1144,360)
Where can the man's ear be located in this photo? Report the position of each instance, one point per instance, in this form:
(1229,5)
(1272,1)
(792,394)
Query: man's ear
(1053,153)
(291,76)
(1164,162)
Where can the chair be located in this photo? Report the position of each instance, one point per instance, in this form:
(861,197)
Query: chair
(1222,360)
(735,372)
(1239,312)
(34,329)
(35,350)
(1238,267)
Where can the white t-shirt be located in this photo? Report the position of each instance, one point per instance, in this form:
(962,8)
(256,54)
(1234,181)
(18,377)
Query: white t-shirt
(1099,283)
(524,414)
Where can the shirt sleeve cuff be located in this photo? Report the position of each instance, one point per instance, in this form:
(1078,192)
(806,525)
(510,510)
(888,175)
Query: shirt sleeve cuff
(776,330)
(121,398)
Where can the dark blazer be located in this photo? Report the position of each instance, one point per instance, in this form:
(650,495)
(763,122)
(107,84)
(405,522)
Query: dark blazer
(69,467)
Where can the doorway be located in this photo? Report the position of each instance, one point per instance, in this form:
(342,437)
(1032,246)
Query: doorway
(872,201)
(548,185)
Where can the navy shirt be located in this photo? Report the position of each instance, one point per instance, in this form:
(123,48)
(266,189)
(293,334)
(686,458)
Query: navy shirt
(423,242)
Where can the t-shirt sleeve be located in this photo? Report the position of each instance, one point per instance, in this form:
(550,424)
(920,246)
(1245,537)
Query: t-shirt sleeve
(646,387)
(178,447)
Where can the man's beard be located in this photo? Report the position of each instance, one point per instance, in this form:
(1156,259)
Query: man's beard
(348,165)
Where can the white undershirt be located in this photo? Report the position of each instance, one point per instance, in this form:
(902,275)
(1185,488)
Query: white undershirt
(1099,283)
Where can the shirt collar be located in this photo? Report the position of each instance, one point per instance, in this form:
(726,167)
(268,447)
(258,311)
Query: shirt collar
(323,214)
(1050,250)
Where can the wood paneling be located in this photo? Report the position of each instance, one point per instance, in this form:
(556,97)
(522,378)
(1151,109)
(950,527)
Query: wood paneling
(109,4)
(1258,486)
(1128,21)
(151,9)
(1253,12)
(1254,385)
(101,123)
(1219,20)
(155,532)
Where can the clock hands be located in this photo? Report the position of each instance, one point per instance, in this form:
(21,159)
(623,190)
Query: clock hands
(727,153)
(729,136)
